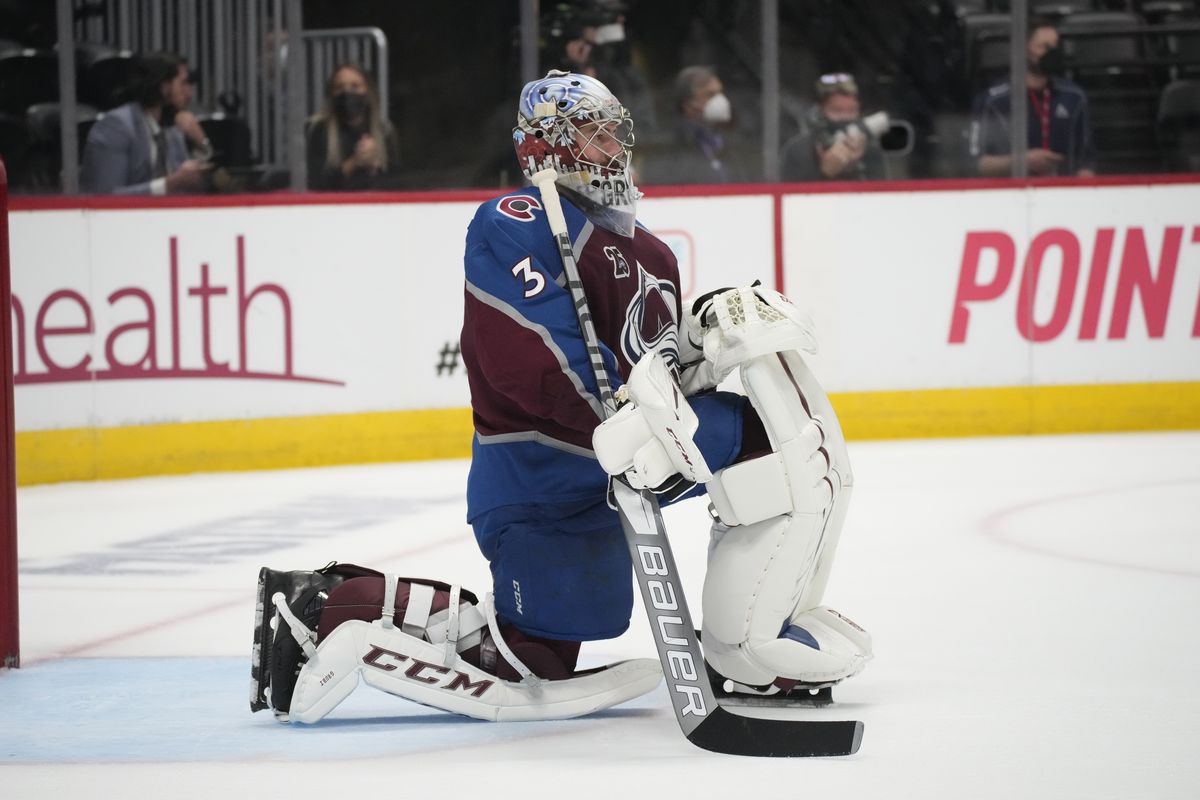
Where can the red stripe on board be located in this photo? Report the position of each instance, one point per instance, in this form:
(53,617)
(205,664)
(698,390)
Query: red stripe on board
(143,203)
(928,185)
(113,203)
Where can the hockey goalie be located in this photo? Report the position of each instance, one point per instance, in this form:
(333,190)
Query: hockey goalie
(771,460)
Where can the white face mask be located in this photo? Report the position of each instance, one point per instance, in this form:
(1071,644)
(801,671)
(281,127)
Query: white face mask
(717,109)
(612,32)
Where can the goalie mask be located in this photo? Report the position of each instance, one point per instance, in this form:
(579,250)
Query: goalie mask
(575,125)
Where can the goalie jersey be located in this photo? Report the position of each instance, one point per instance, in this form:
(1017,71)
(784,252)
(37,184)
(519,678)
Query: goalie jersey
(534,398)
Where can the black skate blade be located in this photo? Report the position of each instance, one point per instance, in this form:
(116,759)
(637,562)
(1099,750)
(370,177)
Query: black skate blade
(803,696)
(732,734)
(264,611)
(821,698)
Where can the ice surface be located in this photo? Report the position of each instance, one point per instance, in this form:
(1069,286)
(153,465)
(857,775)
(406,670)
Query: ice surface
(1034,603)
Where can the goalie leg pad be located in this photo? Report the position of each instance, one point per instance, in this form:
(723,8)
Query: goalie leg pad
(780,518)
(403,665)
(434,644)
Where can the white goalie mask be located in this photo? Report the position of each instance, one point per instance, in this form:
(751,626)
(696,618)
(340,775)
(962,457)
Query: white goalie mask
(575,125)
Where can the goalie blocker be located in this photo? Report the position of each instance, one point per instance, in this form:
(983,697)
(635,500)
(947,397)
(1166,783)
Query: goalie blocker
(778,516)
(318,634)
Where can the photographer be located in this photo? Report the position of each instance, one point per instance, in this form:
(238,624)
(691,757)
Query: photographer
(837,143)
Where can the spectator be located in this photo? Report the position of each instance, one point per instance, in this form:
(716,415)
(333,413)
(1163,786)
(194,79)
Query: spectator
(568,38)
(836,143)
(136,148)
(699,154)
(613,64)
(1059,125)
(351,146)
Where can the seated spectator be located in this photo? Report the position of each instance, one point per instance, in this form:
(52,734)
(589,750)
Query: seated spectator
(136,148)
(351,145)
(835,143)
(1059,130)
(699,154)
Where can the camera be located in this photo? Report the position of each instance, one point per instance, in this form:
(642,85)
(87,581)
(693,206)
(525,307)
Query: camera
(874,126)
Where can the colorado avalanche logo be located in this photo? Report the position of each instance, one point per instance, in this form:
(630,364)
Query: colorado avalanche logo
(650,320)
(519,207)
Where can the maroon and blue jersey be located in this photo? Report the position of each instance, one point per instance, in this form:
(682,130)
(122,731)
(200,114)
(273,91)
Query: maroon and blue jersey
(533,395)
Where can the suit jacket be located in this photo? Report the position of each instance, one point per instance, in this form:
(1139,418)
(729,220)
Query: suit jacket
(116,158)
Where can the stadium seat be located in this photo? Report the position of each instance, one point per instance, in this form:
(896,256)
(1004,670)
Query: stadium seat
(1106,55)
(1058,9)
(1155,11)
(968,7)
(985,48)
(1103,44)
(14,147)
(26,77)
(44,122)
(1179,125)
(105,75)
(1182,48)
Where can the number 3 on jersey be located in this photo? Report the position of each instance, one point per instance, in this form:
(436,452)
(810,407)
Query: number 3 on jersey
(530,277)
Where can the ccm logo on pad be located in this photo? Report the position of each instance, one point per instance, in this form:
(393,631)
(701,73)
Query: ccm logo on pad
(424,672)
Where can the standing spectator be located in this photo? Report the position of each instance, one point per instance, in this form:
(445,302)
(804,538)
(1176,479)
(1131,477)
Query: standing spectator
(351,146)
(699,155)
(1059,125)
(136,148)
(835,143)
(612,60)
(568,38)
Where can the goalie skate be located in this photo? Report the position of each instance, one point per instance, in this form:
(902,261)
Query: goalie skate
(781,694)
(275,660)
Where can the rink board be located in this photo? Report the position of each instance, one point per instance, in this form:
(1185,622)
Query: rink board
(273,332)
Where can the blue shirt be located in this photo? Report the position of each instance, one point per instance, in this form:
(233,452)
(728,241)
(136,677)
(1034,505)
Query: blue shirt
(1065,117)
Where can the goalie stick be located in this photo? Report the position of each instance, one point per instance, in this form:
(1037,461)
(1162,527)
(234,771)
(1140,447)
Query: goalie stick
(704,721)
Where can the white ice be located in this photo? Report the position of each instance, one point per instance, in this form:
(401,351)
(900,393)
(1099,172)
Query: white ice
(1034,604)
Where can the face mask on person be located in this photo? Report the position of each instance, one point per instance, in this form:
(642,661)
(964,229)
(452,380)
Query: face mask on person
(610,33)
(350,105)
(1051,64)
(718,109)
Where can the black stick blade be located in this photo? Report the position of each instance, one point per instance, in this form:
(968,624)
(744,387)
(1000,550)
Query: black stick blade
(733,734)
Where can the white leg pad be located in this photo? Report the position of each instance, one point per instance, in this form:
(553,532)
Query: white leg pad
(771,551)
(403,665)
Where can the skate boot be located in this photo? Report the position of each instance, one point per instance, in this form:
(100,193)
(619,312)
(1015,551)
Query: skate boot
(288,608)
(814,651)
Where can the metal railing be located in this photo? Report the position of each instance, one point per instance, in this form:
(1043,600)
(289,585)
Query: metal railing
(234,48)
(325,48)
